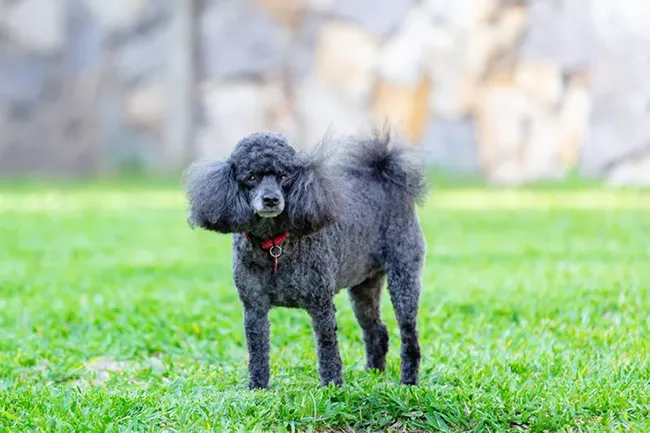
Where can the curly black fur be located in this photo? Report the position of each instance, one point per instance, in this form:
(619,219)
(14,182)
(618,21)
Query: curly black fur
(352,224)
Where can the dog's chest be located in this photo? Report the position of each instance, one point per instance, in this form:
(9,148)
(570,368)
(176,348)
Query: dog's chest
(288,288)
(296,285)
(280,298)
(301,279)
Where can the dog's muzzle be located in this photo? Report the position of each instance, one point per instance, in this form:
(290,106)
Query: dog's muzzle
(268,205)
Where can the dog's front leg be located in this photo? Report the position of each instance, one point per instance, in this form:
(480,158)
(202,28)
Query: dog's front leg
(329,358)
(256,325)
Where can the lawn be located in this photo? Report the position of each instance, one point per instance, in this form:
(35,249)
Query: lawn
(115,316)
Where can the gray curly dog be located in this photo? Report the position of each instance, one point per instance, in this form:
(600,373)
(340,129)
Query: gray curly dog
(307,224)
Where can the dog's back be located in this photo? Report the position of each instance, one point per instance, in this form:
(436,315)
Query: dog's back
(384,185)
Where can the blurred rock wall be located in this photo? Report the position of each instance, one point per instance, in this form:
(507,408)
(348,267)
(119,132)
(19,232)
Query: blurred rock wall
(82,84)
(517,91)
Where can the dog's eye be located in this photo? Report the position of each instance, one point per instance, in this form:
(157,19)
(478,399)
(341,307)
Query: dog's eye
(252,178)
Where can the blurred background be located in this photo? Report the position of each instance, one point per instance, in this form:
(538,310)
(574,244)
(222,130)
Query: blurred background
(511,91)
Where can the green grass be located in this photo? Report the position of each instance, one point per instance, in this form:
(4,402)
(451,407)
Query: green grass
(115,316)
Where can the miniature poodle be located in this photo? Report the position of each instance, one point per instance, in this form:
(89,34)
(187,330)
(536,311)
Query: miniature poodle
(307,224)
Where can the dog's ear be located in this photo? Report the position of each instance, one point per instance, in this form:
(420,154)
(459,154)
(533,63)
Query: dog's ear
(316,196)
(216,201)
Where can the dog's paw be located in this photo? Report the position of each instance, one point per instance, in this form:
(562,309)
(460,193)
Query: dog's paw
(409,382)
(257,385)
(335,382)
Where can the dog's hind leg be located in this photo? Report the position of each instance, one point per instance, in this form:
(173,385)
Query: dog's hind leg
(366,298)
(404,269)
(404,289)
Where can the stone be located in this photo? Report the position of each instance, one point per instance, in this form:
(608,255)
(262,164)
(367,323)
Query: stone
(57,123)
(455,90)
(510,26)
(324,111)
(574,121)
(451,144)
(145,106)
(541,152)
(180,82)
(540,80)
(163,9)
(4,126)
(616,22)
(288,12)
(23,75)
(84,45)
(402,58)
(346,57)
(620,99)
(400,61)
(518,138)
(36,24)
(404,107)
(633,172)
(500,113)
(144,56)
(117,15)
(481,50)
(239,39)
(462,15)
(378,17)
(234,110)
(300,58)
(126,147)
(560,32)
(618,123)
(80,125)
(459,65)
(319,5)
(490,43)
(280,111)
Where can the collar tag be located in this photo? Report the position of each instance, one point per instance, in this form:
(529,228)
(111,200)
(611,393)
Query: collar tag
(273,247)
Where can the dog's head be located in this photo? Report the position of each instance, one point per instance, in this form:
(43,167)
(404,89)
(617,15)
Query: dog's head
(264,186)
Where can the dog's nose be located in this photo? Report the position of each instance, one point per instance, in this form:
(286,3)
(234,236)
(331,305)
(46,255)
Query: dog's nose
(270,200)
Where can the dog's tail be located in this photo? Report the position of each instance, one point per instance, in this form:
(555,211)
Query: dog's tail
(399,168)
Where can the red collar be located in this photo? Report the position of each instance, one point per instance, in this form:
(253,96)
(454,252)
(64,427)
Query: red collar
(273,247)
(270,243)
